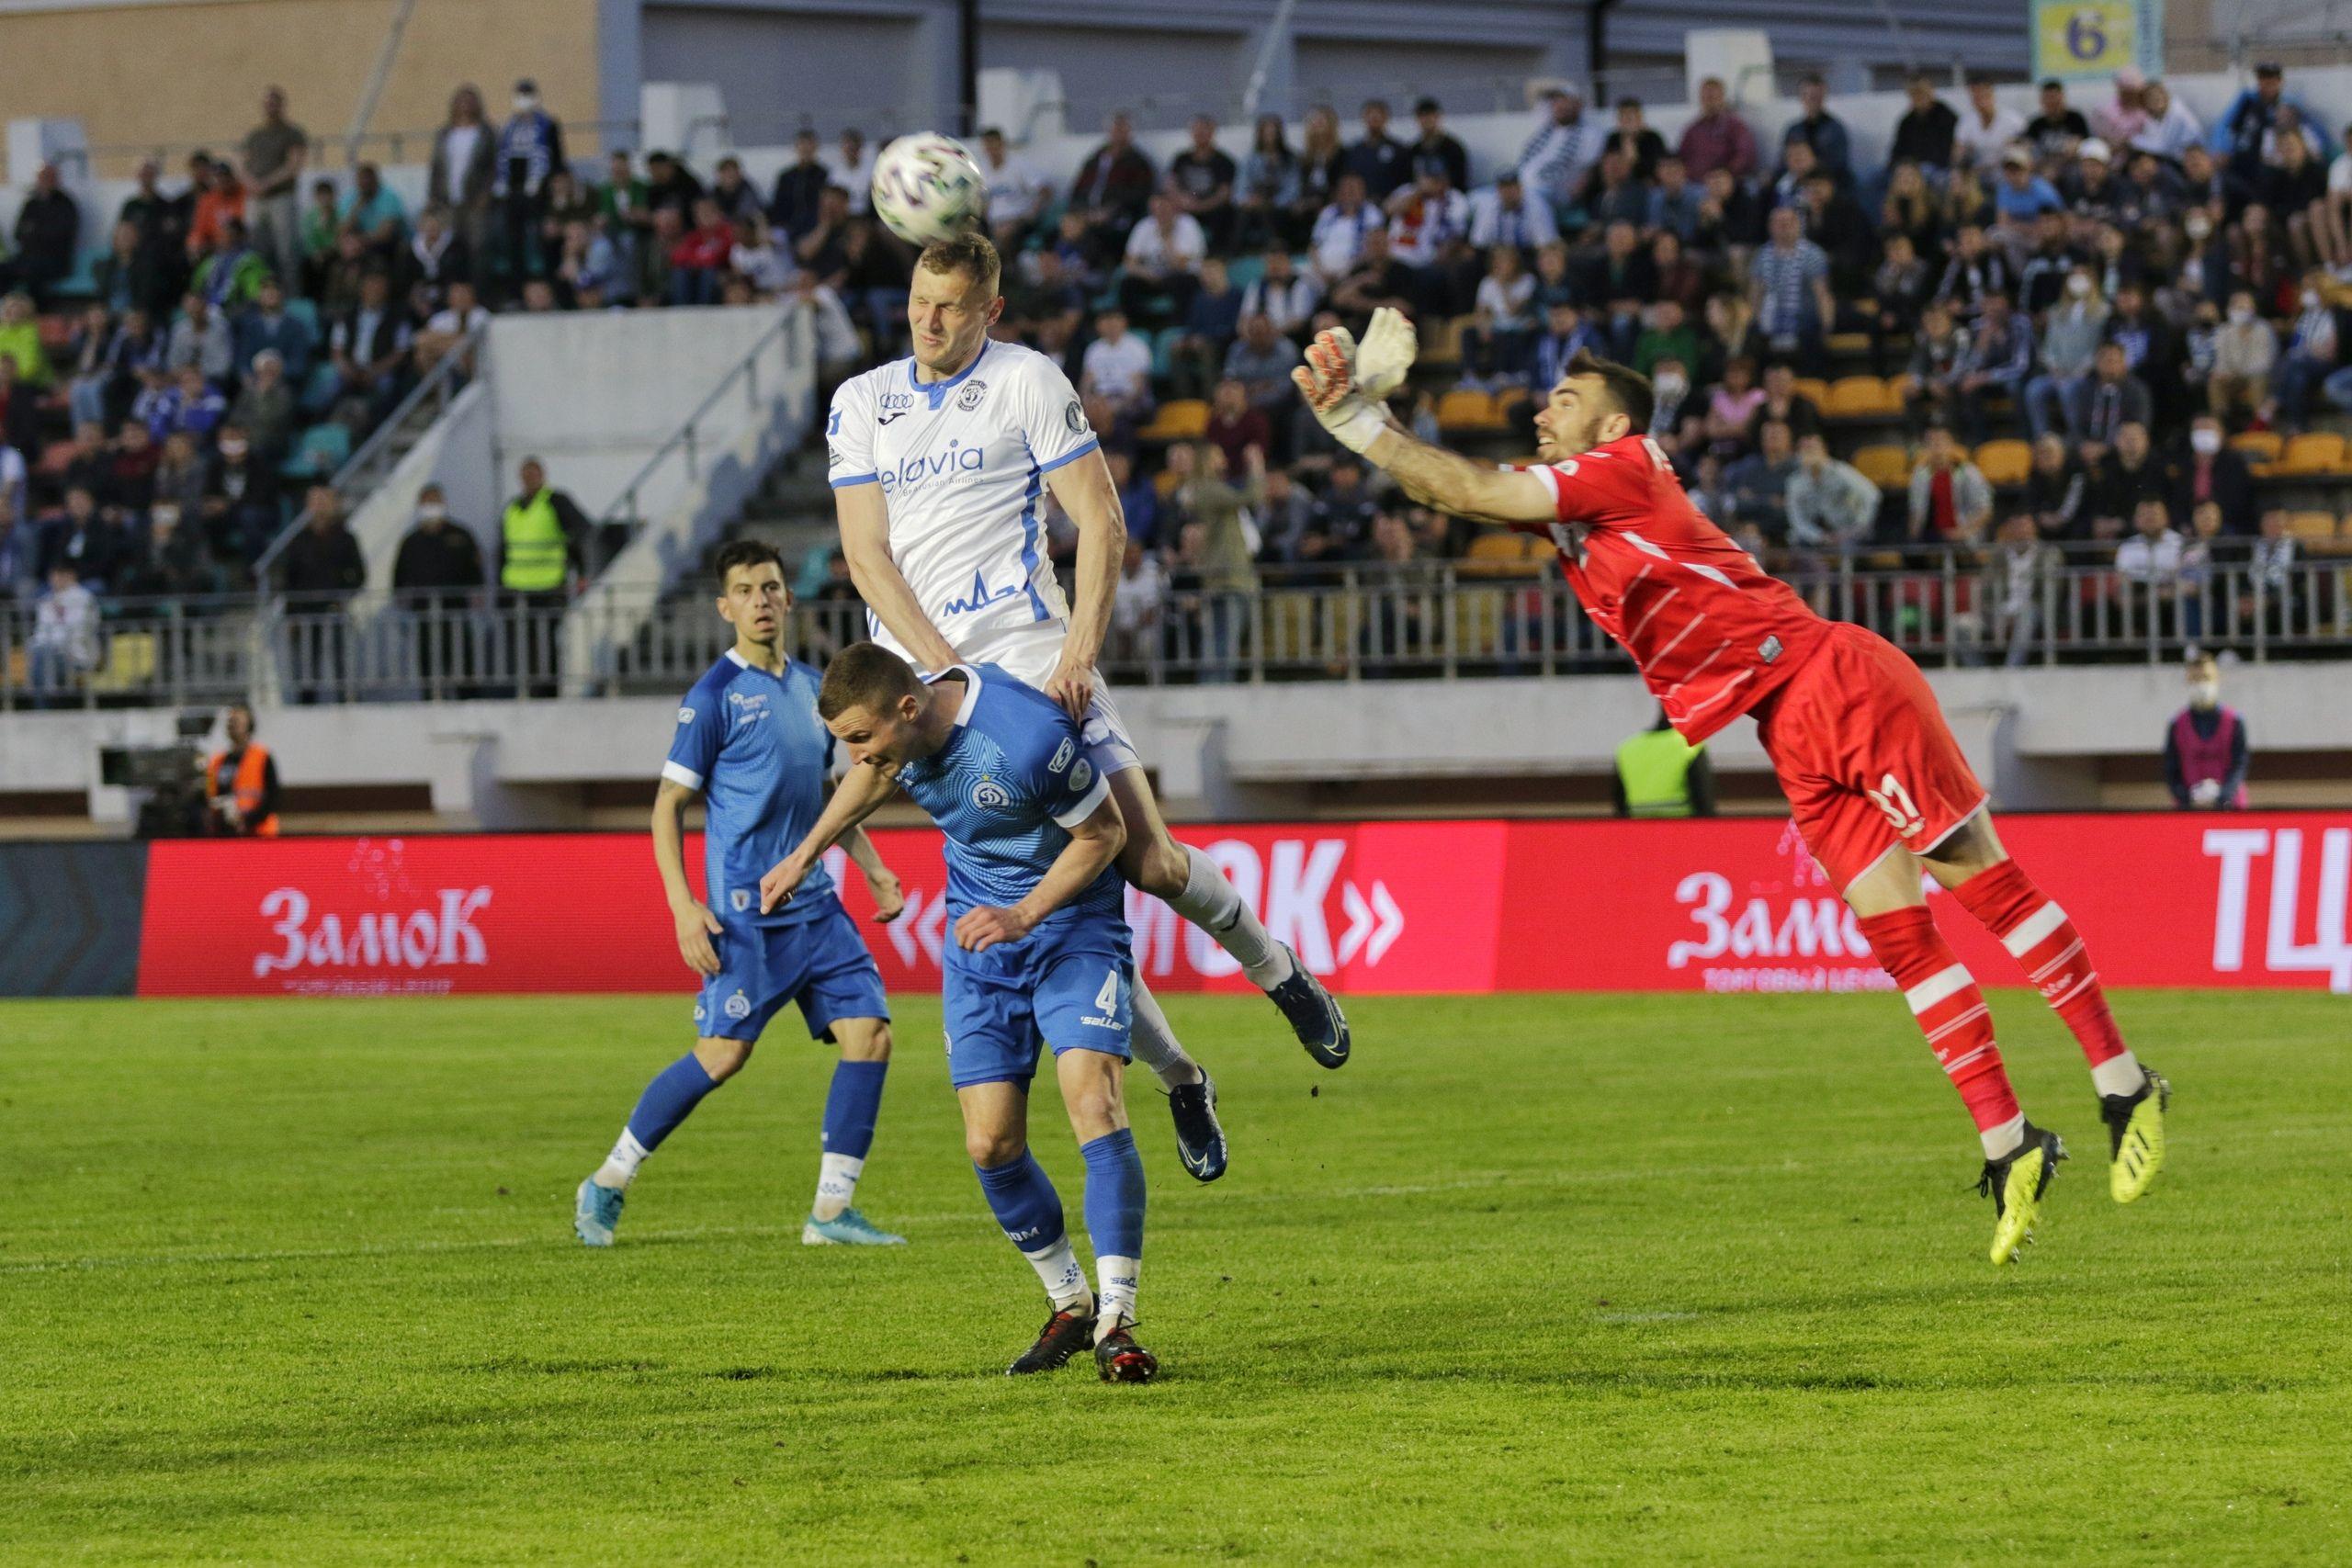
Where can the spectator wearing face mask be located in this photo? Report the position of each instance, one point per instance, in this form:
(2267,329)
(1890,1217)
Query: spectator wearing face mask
(2245,350)
(2214,473)
(530,147)
(2207,751)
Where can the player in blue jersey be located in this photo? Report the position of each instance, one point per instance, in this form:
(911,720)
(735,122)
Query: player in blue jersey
(941,464)
(1042,955)
(749,742)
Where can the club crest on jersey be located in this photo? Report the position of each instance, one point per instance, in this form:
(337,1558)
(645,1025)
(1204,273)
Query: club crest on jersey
(740,897)
(991,795)
(738,1005)
(1062,754)
(1075,417)
(969,398)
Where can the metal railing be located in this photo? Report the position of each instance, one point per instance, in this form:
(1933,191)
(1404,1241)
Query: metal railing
(581,139)
(685,443)
(390,440)
(1418,620)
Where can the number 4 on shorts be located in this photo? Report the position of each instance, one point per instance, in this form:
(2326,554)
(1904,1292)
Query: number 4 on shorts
(1106,1001)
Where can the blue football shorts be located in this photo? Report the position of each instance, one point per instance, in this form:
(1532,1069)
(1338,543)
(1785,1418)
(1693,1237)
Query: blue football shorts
(821,962)
(1072,989)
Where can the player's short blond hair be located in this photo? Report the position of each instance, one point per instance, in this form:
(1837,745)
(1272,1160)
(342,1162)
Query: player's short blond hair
(969,254)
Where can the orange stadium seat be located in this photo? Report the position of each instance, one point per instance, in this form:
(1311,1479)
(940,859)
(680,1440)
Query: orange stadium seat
(1504,555)
(2314,452)
(1860,397)
(1466,410)
(2258,446)
(1179,419)
(2313,529)
(1886,465)
(1440,347)
(1813,388)
(2004,462)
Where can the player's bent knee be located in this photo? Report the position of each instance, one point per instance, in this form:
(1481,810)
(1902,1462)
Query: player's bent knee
(722,1059)
(991,1147)
(863,1039)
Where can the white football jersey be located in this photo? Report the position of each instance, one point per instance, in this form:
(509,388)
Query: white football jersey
(962,464)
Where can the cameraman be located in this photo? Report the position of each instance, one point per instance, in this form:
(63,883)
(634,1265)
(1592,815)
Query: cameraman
(241,783)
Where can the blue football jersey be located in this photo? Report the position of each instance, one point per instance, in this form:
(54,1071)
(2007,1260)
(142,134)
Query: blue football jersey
(1011,781)
(752,744)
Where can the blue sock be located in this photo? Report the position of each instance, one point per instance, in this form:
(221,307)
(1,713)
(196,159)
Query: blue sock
(675,1090)
(1114,1195)
(851,1106)
(1024,1199)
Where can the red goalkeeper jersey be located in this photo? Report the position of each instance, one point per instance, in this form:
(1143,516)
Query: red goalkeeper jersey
(1711,632)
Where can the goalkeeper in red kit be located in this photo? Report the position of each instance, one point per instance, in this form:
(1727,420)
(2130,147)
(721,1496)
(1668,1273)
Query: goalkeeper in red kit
(1878,786)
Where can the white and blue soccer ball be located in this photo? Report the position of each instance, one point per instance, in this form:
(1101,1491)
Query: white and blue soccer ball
(927,188)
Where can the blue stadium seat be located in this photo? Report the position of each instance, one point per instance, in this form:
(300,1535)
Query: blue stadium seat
(1246,270)
(322,449)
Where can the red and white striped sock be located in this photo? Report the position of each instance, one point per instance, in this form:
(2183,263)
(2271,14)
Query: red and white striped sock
(2046,944)
(1943,996)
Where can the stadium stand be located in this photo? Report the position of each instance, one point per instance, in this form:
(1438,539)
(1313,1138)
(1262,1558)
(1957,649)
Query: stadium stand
(131,375)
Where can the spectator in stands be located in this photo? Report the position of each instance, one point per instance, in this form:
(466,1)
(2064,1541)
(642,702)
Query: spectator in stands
(2149,562)
(239,499)
(200,337)
(1380,160)
(1824,132)
(1835,223)
(2171,127)
(2211,472)
(2242,135)
(1115,378)
(267,327)
(1717,138)
(2125,476)
(1555,159)
(162,222)
(2000,353)
(1163,260)
(2055,491)
(701,255)
(2099,407)
(241,792)
(530,147)
(2312,355)
(175,564)
(1377,278)
(1212,320)
(792,203)
(1899,293)
(433,258)
(369,347)
(1436,142)
(375,209)
(438,570)
(1678,207)
(84,540)
(1613,195)
(2022,198)
(21,417)
(2071,337)
(1336,242)
(1428,220)
(1642,147)
(63,647)
(2019,573)
(1759,481)
(125,278)
(1018,193)
(1281,294)
(1138,499)
(265,410)
(1114,185)
(219,196)
(2058,129)
(1201,179)
(1261,360)
(48,230)
(1831,507)
(228,277)
(2244,352)
(1789,289)
(1234,428)
(1950,502)
(1911,208)
(196,405)
(447,328)
(1975,271)
(20,550)
(1985,130)
(1219,551)
(273,157)
(462,175)
(1666,334)
(1928,129)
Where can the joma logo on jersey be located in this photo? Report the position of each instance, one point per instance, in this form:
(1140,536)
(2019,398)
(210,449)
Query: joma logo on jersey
(982,596)
(919,469)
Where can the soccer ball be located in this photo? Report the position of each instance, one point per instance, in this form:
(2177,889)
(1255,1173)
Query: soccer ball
(926,187)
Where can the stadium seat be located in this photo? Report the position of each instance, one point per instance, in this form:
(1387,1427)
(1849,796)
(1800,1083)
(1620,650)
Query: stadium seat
(2258,446)
(1465,410)
(2341,546)
(2314,452)
(130,663)
(1813,388)
(305,312)
(1887,466)
(1504,555)
(1441,347)
(1245,270)
(1508,399)
(2006,462)
(1165,482)
(1163,351)
(322,449)
(1859,397)
(1850,343)
(1179,419)
(2313,530)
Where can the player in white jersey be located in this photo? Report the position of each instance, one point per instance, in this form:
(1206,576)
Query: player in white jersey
(940,465)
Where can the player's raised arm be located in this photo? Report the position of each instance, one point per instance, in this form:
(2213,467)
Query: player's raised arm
(866,543)
(1095,840)
(863,789)
(1084,489)
(1447,480)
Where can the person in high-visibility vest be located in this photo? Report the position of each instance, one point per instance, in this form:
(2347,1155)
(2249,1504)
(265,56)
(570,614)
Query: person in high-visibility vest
(241,783)
(539,542)
(1661,775)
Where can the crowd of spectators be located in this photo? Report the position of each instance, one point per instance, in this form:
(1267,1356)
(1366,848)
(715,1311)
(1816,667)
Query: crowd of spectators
(2123,288)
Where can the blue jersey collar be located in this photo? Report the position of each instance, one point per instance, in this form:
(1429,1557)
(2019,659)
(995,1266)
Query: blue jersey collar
(937,390)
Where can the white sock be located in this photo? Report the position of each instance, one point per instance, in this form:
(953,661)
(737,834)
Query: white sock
(1211,903)
(836,1186)
(1114,1303)
(1154,1043)
(620,1167)
(2118,1075)
(2006,1139)
(1064,1281)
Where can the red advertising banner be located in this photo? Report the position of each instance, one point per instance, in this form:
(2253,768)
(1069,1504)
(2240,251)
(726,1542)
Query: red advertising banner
(1732,905)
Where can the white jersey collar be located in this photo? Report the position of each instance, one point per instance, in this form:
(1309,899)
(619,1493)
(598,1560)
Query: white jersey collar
(971,689)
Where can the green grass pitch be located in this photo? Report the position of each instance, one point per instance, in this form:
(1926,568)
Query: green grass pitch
(1533,1279)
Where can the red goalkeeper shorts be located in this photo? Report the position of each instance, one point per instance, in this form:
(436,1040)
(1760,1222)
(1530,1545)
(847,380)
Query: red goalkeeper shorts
(1864,754)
